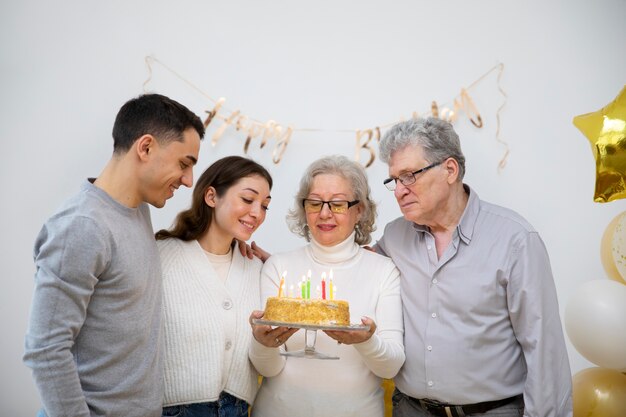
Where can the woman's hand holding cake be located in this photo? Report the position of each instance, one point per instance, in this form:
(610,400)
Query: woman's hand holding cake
(354,336)
(268,336)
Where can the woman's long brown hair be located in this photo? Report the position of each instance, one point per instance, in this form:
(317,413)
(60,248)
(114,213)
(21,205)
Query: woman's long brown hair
(192,223)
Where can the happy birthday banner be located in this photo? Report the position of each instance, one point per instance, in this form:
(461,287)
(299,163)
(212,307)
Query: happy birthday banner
(281,135)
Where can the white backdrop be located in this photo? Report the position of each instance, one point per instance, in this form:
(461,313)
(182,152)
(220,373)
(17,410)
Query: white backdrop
(68,66)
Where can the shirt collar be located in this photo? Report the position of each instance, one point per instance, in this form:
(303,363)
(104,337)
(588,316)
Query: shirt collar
(465,228)
(470,215)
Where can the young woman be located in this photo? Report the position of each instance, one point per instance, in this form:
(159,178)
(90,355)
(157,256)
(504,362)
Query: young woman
(209,291)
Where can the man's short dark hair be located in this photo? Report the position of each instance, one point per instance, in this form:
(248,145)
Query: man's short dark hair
(153,114)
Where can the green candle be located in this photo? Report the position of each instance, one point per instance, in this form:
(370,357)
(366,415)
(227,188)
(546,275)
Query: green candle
(308,288)
(308,285)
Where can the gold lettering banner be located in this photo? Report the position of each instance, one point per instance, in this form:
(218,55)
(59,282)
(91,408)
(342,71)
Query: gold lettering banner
(365,139)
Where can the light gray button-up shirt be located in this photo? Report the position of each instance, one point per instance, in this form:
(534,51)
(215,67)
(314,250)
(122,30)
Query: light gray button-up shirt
(482,322)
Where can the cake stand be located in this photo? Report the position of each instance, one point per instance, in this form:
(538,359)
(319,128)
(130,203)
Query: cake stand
(310,336)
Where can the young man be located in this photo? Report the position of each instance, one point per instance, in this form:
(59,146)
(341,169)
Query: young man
(94,335)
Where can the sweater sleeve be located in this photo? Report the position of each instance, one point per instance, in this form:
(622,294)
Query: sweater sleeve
(67,270)
(267,361)
(383,353)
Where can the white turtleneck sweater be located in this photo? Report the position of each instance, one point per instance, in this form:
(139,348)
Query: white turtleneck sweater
(206,328)
(349,386)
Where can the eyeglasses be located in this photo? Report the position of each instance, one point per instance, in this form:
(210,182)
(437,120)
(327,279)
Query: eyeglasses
(407,178)
(336,206)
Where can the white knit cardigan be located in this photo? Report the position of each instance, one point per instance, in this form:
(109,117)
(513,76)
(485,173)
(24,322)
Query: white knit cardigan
(195,344)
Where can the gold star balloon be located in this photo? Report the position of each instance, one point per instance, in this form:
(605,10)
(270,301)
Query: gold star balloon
(606,131)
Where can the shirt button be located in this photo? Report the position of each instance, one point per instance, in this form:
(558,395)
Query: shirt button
(431,383)
(229,344)
(227,304)
(435,280)
(429,348)
(434,315)
(429,247)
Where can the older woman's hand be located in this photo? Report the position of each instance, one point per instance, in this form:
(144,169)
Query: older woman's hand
(268,336)
(353,336)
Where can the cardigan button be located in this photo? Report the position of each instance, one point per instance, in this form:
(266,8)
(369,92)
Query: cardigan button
(229,344)
(227,304)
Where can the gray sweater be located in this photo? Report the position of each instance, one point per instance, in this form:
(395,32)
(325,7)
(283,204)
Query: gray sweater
(94,335)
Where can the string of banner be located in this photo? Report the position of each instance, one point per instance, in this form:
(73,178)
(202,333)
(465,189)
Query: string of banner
(271,130)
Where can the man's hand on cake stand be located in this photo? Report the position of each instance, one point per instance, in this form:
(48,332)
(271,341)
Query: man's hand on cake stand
(353,336)
(268,336)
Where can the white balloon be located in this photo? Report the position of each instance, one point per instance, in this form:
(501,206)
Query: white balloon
(595,321)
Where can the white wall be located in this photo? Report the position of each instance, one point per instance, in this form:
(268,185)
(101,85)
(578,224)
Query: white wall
(68,66)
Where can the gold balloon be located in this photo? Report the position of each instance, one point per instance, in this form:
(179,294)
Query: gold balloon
(599,392)
(606,131)
(613,249)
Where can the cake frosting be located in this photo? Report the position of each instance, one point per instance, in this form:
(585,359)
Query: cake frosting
(307,311)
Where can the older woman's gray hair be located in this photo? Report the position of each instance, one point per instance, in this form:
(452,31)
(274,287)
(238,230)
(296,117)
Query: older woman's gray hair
(435,136)
(356,176)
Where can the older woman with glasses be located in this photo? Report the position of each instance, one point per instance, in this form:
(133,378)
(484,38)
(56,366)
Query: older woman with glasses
(333,211)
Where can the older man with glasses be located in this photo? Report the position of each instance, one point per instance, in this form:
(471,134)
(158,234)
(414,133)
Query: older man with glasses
(482,329)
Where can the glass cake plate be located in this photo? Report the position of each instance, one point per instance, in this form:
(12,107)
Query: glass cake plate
(311,326)
(310,336)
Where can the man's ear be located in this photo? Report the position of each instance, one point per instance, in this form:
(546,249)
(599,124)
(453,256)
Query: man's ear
(209,196)
(452,168)
(144,146)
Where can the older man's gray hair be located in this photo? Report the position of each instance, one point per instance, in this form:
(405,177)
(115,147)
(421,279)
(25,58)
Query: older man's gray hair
(435,136)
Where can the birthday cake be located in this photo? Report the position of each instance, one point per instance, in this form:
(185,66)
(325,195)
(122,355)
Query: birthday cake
(307,311)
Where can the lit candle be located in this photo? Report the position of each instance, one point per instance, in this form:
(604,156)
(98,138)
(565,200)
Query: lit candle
(317,292)
(281,285)
(323,285)
(308,289)
(291,291)
(303,287)
(308,285)
(331,289)
(334,292)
